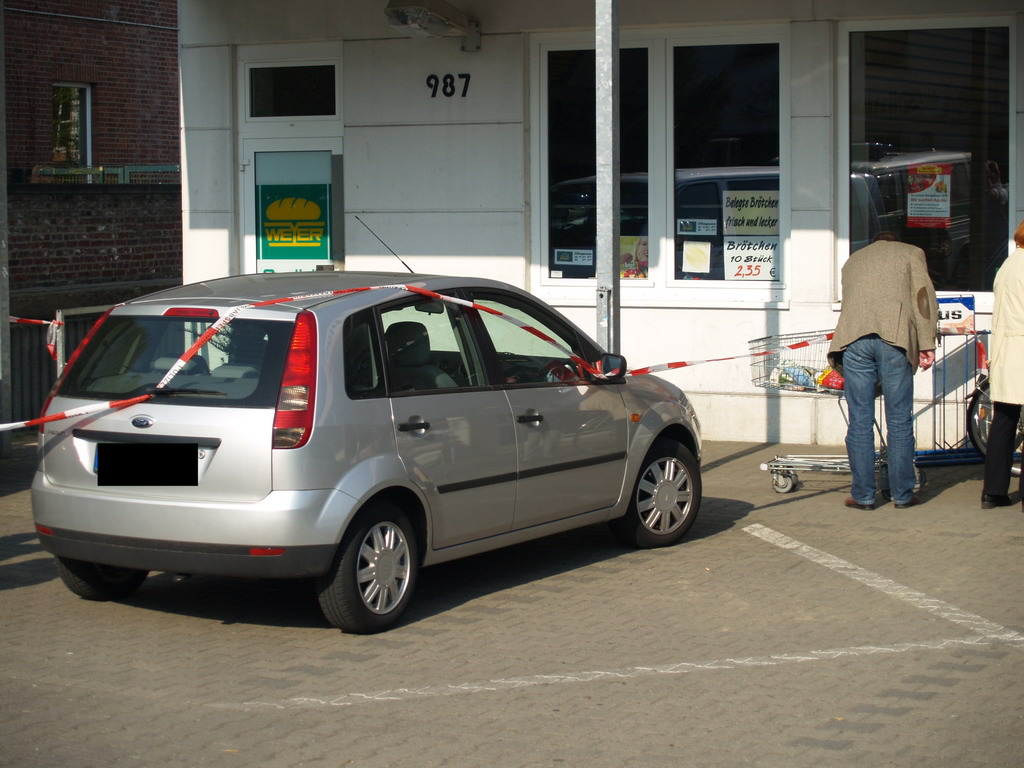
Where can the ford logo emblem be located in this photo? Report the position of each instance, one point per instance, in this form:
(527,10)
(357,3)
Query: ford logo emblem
(142,422)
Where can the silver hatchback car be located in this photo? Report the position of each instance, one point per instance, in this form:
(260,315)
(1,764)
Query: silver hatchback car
(348,428)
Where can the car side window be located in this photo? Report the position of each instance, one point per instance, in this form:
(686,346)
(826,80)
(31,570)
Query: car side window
(364,374)
(429,347)
(525,357)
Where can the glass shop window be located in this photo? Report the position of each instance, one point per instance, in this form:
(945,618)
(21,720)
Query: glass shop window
(930,147)
(726,150)
(572,140)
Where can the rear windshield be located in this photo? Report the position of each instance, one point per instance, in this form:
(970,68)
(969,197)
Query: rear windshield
(240,366)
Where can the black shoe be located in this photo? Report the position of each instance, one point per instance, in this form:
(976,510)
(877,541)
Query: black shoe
(854,504)
(913,502)
(992,500)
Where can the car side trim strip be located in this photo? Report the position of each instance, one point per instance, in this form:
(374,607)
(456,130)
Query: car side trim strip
(568,465)
(510,477)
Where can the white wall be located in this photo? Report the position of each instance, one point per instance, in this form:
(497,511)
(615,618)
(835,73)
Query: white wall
(446,182)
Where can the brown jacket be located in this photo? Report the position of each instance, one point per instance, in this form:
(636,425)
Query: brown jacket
(887,291)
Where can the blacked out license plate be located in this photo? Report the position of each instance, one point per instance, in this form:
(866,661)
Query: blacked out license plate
(147,464)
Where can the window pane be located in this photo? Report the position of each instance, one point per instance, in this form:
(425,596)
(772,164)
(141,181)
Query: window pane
(70,125)
(292,91)
(524,357)
(929,133)
(726,145)
(241,366)
(429,347)
(572,141)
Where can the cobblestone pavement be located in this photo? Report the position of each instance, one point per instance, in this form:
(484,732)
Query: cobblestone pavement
(785,631)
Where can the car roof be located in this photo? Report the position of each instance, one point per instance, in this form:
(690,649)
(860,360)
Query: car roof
(717,172)
(310,289)
(906,159)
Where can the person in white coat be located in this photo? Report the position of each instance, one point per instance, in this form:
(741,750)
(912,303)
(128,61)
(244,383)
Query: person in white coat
(1006,377)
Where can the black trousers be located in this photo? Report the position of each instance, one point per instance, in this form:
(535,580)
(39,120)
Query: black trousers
(999,452)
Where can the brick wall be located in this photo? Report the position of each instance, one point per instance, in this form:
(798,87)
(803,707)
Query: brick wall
(68,238)
(127,52)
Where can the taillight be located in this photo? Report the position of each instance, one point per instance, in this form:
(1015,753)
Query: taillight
(293,420)
(67,367)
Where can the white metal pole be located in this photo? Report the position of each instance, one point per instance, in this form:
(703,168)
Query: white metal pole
(606,54)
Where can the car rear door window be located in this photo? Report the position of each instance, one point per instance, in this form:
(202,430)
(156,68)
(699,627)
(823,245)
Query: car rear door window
(429,347)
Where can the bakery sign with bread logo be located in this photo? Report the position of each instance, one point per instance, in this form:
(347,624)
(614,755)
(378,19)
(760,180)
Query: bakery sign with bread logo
(295,221)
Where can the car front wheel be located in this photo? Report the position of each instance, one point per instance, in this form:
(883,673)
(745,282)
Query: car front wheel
(99,582)
(665,498)
(373,574)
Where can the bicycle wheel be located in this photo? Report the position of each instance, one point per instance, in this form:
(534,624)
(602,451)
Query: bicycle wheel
(979,416)
(979,419)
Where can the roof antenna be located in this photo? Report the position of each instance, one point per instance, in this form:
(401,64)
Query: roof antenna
(384,244)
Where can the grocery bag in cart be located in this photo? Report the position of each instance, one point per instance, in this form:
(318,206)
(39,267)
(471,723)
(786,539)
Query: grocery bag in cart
(794,361)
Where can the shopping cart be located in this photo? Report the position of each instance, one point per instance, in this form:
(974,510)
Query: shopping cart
(798,362)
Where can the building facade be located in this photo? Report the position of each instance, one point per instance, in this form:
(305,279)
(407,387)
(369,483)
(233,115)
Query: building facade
(759,145)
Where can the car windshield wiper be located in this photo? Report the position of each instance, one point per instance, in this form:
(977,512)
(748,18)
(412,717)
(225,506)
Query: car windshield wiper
(177,392)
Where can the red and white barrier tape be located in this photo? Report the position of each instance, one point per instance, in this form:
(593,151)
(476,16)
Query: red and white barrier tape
(762,353)
(223,321)
(29,321)
(51,334)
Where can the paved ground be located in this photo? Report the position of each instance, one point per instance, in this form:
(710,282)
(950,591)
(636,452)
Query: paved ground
(786,631)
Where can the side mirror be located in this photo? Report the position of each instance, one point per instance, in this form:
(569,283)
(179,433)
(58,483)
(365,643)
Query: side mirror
(613,366)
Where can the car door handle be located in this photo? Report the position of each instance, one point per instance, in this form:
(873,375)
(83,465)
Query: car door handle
(414,426)
(530,417)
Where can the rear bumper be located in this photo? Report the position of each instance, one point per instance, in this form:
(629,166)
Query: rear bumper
(187,557)
(194,536)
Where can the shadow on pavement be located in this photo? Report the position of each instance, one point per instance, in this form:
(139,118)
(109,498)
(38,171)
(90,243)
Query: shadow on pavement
(441,588)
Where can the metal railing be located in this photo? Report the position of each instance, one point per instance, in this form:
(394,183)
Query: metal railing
(107,174)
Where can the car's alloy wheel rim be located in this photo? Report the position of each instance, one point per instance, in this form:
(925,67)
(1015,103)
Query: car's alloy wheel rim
(663,495)
(382,571)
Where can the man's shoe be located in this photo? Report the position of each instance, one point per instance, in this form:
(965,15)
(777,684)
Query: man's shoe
(854,504)
(913,502)
(993,500)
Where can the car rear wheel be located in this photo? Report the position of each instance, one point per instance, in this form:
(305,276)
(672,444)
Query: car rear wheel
(99,582)
(374,572)
(665,498)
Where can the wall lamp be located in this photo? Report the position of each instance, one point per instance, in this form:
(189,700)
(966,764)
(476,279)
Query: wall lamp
(433,18)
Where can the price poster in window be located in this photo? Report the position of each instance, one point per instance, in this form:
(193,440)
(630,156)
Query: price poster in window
(928,196)
(750,226)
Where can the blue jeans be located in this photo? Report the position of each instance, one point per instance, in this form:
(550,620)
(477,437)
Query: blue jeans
(866,361)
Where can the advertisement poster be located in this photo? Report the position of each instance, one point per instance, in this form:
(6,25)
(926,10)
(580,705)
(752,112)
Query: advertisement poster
(633,256)
(928,196)
(697,227)
(574,257)
(750,225)
(697,257)
(956,315)
(294,225)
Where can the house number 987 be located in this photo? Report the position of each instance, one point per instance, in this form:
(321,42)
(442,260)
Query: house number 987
(446,84)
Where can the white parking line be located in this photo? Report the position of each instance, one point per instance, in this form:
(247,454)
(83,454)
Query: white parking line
(973,622)
(989,632)
(506,684)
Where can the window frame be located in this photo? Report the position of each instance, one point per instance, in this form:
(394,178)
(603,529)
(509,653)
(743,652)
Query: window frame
(983,299)
(288,55)
(659,288)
